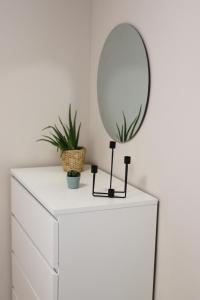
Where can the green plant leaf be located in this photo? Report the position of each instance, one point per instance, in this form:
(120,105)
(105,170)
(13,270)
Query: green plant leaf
(65,128)
(122,131)
(125,127)
(67,137)
(132,134)
(47,140)
(126,132)
(118,131)
(77,136)
(131,126)
(70,118)
(74,127)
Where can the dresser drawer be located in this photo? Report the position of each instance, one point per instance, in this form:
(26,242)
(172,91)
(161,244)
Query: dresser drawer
(42,278)
(20,283)
(40,225)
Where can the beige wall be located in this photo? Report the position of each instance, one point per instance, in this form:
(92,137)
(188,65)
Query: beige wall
(166,151)
(44,59)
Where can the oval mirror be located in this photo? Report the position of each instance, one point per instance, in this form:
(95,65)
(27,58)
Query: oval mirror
(123,83)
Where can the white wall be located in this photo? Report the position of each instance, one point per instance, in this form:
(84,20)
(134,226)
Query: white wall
(44,59)
(166,151)
(44,65)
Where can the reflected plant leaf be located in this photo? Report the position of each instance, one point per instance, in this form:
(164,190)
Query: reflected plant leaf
(127,132)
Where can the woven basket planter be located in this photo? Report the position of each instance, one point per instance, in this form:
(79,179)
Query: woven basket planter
(73,159)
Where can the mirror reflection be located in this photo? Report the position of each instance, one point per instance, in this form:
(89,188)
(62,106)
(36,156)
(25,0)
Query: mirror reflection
(123,83)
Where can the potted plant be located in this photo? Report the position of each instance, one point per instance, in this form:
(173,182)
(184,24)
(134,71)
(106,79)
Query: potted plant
(73,179)
(66,140)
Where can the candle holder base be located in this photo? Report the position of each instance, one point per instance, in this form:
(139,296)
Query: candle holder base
(112,193)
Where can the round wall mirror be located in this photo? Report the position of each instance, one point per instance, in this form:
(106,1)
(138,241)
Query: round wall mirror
(123,82)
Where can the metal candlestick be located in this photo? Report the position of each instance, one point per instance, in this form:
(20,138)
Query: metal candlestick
(112,193)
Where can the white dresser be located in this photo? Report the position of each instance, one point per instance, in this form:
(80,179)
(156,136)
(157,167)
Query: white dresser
(69,245)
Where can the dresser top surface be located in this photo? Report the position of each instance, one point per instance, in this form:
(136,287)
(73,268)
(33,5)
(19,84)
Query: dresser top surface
(49,186)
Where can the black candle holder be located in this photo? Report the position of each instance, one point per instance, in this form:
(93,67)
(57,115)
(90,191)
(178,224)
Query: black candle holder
(112,193)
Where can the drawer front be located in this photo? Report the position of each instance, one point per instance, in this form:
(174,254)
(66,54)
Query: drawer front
(20,283)
(42,278)
(14,296)
(36,221)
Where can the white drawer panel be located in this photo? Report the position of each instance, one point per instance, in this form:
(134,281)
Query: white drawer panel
(20,283)
(36,221)
(43,279)
(14,296)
